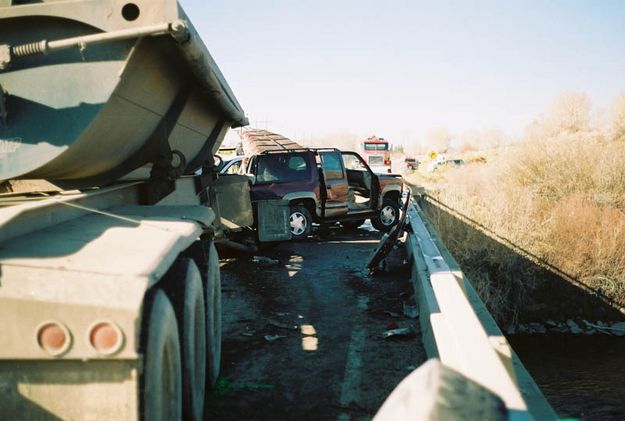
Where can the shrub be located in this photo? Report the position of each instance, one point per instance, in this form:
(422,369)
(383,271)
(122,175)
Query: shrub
(561,201)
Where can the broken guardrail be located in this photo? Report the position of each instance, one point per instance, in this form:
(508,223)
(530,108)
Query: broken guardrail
(458,329)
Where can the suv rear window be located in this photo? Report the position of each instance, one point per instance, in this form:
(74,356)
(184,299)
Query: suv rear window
(282,168)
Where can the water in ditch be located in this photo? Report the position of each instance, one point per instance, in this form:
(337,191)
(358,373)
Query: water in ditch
(581,376)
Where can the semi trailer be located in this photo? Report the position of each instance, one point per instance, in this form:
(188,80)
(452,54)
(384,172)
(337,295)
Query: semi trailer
(109,276)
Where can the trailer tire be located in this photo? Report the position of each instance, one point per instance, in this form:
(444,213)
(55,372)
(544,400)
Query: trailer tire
(212,297)
(161,384)
(187,295)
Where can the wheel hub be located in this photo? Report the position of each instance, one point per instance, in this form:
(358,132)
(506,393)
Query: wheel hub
(298,223)
(387,215)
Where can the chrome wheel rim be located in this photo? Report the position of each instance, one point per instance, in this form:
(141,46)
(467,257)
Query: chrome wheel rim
(387,215)
(298,223)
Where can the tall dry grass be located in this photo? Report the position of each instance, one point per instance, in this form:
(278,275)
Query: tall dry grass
(560,201)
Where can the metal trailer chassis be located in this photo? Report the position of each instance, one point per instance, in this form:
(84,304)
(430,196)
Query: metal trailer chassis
(76,262)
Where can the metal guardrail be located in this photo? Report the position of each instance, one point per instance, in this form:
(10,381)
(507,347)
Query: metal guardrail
(458,329)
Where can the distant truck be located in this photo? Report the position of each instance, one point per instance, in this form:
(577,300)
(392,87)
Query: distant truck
(377,152)
(411,164)
(324,185)
(109,276)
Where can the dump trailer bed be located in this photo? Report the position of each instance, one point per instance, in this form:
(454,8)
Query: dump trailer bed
(256,141)
(90,90)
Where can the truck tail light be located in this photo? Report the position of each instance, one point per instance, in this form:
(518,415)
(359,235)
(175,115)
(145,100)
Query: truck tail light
(105,337)
(54,338)
(387,162)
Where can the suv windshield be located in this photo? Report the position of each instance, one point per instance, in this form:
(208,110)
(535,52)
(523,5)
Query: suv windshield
(280,168)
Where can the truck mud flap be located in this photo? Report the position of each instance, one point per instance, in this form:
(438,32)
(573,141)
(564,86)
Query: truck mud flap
(233,201)
(273,220)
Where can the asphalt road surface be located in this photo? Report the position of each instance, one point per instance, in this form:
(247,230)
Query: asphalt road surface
(302,338)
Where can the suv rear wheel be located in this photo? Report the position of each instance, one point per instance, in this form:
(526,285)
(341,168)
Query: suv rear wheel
(388,216)
(301,222)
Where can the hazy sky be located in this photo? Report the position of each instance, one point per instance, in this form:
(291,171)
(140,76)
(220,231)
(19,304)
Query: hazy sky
(400,68)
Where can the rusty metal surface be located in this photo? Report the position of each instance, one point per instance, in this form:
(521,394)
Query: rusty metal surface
(388,240)
(256,141)
(273,220)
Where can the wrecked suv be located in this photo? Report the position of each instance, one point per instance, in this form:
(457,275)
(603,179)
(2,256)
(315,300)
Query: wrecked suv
(325,186)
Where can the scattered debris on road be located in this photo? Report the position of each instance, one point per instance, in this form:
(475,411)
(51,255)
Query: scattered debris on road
(377,260)
(249,333)
(411,311)
(271,338)
(281,325)
(265,261)
(315,316)
(402,331)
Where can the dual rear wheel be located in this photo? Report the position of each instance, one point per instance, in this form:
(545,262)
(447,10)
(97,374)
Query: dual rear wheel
(182,338)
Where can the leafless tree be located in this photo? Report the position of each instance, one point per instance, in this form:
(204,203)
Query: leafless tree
(618,117)
(569,113)
(439,139)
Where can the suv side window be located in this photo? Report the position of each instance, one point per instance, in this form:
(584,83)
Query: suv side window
(353,163)
(332,165)
(282,168)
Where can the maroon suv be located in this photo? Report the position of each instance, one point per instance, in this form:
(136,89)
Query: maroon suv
(325,186)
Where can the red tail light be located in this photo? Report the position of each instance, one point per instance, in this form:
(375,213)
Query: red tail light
(54,338)
(105,337)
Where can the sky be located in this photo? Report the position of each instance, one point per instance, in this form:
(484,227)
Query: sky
(399,69)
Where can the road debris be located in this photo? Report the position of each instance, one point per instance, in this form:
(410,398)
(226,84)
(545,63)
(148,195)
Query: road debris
(403,331)
(248,333)
(377,258)
(271,338)
(224,387)
(411,311)
(281,325)
(265,261)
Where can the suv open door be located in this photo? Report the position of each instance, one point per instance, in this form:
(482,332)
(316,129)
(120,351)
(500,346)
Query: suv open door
(336,187)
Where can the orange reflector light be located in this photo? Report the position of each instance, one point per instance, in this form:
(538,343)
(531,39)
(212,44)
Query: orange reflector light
(54,338)
(105,337)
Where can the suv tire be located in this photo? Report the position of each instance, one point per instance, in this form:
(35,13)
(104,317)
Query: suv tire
(301,222)
(388,216)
